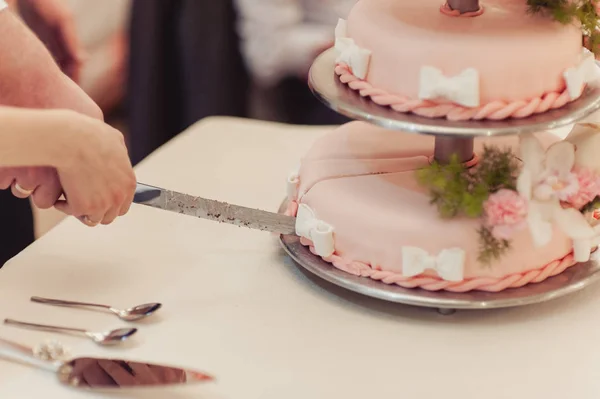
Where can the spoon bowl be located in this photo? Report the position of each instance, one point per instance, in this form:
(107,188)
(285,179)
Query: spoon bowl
(137,312)
(113,337)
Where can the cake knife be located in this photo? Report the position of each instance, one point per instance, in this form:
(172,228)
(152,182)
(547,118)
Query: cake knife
(100,374)
(221,212)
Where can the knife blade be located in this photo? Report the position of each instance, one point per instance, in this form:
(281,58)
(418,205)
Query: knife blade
(221,212)
(102,374)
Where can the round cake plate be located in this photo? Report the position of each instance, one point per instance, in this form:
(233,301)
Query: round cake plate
(571,280)
(326,86)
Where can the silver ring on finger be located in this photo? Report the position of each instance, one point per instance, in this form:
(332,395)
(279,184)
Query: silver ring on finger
(22,190)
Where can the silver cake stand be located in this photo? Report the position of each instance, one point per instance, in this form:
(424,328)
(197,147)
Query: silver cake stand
(326,86)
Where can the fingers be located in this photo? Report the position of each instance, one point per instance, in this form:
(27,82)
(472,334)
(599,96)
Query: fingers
(63,206)
(126,205)
(42,184)
(102,185)
(7,177)
(92,219)
(110,216)
(49,191)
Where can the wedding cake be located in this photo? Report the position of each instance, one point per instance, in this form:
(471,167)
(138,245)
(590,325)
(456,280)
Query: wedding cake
(376,203)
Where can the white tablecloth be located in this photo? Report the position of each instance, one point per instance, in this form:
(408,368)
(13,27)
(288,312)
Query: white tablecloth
(236,307)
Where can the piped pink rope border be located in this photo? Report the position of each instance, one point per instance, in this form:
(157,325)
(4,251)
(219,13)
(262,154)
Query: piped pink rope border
(496,110)
(488,284)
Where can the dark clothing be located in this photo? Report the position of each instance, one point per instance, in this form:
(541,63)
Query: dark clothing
(16,229)
(185,65)
(295,103)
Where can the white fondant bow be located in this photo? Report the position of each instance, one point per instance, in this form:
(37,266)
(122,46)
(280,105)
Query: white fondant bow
(319,232)
(586,72)
(462,89)
(449,264)
(293,181)
(349,53)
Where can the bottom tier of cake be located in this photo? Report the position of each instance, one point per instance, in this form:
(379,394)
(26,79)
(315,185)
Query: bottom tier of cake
(362,205)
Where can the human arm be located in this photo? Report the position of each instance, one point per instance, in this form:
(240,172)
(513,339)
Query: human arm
(25,139)
(276,40)
(30,77)
(90,158)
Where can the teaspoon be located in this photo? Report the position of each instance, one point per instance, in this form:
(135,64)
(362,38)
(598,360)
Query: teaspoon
(101,338)
(131,314)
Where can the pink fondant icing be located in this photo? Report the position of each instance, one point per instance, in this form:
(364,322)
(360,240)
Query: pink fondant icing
(520,57)
(376,207)
(496,110)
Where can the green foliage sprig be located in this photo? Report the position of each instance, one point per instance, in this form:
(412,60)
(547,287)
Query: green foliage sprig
(581,12)
(456,190)
(490,248)
(591,206)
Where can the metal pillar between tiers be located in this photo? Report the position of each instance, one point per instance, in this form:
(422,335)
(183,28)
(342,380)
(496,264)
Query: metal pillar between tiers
(464,6)
(446,147)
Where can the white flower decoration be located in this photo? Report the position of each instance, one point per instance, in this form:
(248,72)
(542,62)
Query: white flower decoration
(51,350)
(586,138)
(545,180)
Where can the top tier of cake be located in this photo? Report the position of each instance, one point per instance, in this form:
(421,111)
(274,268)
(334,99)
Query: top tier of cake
(415,56)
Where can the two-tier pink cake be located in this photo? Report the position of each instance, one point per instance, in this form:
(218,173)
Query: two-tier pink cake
(375,203)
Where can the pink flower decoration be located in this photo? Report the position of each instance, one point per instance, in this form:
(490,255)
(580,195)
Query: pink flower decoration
(505,213)
(589,188)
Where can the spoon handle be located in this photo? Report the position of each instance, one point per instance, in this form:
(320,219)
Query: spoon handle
(60,302)
(43,326)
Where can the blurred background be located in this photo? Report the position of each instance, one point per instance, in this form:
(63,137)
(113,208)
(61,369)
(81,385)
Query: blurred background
(155,67)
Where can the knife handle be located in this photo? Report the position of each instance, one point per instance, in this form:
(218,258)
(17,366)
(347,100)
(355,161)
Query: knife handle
(22,354)
(145,193)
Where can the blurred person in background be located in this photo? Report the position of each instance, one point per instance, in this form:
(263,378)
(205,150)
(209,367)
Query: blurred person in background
(102,31)
(280,41)
(190,59)
(185,65)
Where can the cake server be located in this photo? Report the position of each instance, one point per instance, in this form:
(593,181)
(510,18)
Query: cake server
(102,374)
(221,212)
